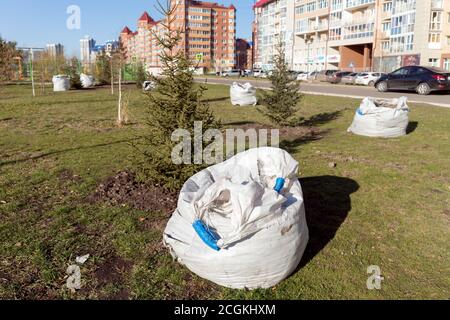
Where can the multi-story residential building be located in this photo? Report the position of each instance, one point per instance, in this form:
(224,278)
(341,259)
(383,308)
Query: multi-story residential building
(209,36)
(354,35)
(244,54)
(90,49)
(108,48)
(274,24)
(413,32)
(250,55)
(87,47)
(55,49)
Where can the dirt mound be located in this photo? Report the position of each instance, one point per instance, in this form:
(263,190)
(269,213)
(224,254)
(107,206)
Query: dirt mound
(124,189)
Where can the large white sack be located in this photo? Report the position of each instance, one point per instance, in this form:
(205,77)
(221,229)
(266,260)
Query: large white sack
(387,118)
(86,80)
(263,234)
(148,86)
(61,83)
(243,94)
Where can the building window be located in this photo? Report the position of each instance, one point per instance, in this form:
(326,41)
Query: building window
(434,37)
(336,5)
(323,4)
(436,20)
(311,6)
(447,64)
(300,9)
(387,7)
(433,62)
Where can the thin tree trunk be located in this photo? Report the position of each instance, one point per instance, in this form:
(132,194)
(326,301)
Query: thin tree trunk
(32,73)
(112,78)
(119,118)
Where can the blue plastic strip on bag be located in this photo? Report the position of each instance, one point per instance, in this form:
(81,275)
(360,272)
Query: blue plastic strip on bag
(279,184)
(206,235)
(359,112)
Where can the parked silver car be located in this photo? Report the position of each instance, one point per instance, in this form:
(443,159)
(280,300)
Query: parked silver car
(232,73)
(349,79)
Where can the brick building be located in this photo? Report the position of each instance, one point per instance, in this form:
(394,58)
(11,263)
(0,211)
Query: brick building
(244,54)
(209,36)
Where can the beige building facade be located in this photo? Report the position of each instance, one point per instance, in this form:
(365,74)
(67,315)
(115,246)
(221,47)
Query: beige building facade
(354,35)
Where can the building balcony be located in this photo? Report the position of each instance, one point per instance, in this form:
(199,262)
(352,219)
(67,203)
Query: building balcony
(357,35)
(359,22)
(434,45)
(336,7)
(437,5)
(313,28)
(401,8)
(386,15)
(352,5)
(385,34)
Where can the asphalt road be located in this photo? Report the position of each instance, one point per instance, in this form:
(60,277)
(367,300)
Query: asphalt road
(441,99)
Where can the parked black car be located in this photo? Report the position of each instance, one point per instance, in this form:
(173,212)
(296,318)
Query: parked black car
(421,79)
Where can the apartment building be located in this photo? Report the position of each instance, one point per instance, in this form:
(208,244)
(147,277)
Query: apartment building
(209,36)
(412,32)
(244,54)
(55,49)
(354,35)
(274,23)
(87,45)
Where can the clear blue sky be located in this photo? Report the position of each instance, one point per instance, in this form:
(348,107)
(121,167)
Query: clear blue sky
(38,22)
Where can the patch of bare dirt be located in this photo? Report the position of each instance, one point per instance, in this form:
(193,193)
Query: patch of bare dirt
(67,175)
(112,270)
(197,288)
(285,132)
(124,189)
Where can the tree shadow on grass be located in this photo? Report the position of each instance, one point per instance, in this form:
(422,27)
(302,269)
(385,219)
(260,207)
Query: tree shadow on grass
(291,145)
(220,99)
(318,119)
(327,204)
(240,123)
(56,152)
(412,126)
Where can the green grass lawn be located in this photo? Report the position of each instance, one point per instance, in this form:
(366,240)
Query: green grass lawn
(387,203)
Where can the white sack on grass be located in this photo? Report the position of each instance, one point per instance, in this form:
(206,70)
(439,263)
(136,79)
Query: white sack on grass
(86,81)
(243,94)
(61,83)
(148,85)
(387,118)
(263,234)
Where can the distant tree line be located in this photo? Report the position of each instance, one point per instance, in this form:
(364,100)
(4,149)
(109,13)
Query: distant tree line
(8,53)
